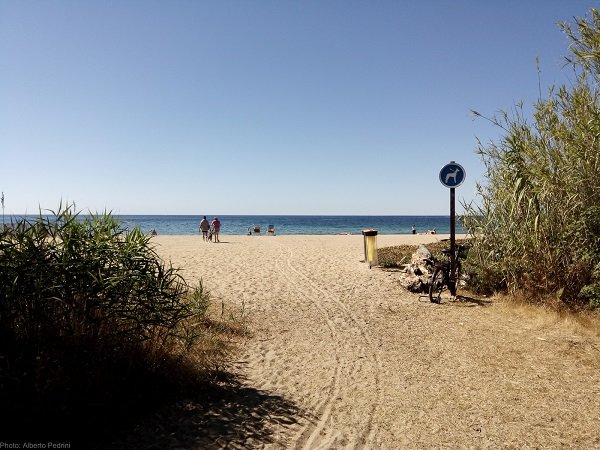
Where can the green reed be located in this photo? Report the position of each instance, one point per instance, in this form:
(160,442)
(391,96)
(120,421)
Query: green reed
(90,315)
(537,224)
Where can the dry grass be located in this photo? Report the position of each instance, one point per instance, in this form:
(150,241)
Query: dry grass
(550,315)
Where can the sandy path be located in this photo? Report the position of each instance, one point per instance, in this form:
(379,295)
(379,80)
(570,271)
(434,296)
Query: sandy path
(368,365)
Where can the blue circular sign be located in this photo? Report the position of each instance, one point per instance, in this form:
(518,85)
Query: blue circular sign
(452,175)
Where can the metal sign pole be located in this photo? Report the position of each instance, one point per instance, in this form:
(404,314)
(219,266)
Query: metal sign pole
(452,242)
(451,176)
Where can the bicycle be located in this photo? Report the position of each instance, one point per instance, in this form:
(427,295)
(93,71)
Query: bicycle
(441,277)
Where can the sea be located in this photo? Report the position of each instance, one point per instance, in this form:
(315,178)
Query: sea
(287,224)
(237,225)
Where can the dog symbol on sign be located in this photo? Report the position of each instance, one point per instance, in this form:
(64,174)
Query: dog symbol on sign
(452,175)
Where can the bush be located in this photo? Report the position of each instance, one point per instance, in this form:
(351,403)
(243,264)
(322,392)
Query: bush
(537,227)
(395,256)
(90,317)
(398,255)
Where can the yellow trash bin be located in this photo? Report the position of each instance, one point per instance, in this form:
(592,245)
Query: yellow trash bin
(370,244)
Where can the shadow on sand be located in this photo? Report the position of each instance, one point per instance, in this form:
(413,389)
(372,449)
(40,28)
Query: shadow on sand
(463,300)
(226,414)
(459,300)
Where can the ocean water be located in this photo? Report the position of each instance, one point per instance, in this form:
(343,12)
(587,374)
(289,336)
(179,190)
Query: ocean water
(236,225)
(230,224)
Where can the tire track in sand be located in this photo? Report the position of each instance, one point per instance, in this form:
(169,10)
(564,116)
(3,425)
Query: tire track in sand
(342,322)
(305,436)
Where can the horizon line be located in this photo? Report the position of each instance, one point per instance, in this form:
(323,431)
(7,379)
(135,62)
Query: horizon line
(49,213)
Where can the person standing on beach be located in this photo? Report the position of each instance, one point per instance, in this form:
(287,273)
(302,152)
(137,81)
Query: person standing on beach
(216,225)
(414,230)
(204,227)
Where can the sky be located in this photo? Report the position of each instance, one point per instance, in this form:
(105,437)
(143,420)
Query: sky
(263,107)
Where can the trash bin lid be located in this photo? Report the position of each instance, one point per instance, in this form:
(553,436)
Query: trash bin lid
(369,232)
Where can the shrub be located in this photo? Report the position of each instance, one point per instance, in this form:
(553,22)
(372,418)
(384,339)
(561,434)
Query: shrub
(395,256)
(90,317)
(398,255)
(536,228)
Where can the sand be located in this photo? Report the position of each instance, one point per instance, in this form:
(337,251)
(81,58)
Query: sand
(340,356)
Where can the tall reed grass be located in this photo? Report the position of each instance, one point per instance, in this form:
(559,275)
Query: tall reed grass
(537,225)
(92,324)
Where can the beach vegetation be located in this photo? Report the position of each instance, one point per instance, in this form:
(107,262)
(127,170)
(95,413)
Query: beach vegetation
(536,228)
(397,256)
(95,326)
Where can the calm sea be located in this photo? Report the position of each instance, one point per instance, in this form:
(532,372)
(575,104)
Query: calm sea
(188,225)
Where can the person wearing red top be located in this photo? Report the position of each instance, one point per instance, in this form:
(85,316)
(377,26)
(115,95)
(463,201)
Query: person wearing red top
(216,225)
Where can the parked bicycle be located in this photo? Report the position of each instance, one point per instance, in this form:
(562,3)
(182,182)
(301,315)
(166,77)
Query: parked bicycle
(441,277)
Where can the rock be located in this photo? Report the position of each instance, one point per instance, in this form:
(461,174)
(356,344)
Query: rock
(420,255)
(415,276)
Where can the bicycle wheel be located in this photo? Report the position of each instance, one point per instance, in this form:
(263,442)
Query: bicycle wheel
(436,285)
(453,284)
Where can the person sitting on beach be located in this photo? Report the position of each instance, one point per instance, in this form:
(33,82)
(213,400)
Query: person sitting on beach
(432,231)
(204,227)
(216,225)
(153,232)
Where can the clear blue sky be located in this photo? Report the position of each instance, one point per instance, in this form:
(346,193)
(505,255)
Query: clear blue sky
(261,107)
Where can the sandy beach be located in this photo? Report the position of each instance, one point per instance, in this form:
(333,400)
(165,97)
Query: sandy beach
(340,356)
